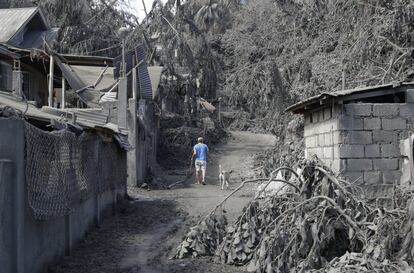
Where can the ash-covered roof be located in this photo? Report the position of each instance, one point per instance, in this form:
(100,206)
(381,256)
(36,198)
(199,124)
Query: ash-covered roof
(348,95)
(86,118)
(14,20)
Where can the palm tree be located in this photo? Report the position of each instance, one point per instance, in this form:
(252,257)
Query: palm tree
(211,15)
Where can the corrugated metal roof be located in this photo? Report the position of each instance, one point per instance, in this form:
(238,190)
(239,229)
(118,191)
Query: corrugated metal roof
(343,94)
(96,117)
(87,118)
(29,109)
(12,20)
(91,74)
(82,79)
(143,75)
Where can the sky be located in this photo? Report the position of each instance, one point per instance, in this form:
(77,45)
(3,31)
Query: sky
(139,9)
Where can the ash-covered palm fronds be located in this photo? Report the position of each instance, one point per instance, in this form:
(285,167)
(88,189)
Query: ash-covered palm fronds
(308,220)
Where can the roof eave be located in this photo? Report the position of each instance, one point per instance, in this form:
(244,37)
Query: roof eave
(301,106)
(8,53)
(87,60)
(346,95)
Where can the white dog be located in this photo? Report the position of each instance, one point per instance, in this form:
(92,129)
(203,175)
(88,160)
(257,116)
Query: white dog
(224,178)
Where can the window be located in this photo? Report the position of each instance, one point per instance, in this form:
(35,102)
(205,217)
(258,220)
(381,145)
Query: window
(5,76)
(26,84)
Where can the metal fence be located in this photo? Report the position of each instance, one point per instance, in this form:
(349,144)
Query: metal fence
(63,169)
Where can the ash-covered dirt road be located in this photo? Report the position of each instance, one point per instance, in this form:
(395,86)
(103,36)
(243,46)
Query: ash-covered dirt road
(146,232)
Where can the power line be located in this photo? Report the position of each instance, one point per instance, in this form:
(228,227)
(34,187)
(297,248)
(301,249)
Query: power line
(103,49)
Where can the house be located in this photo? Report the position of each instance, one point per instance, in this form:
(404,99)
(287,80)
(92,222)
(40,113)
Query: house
(25,28)
(358,133)
(72,137)
(23,31)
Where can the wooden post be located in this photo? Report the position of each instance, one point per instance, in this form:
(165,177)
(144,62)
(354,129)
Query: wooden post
(51,72)
(122,103)
(17,79)
(62,104)
(134,84)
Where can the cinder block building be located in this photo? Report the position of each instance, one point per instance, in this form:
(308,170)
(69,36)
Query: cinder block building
(364,134)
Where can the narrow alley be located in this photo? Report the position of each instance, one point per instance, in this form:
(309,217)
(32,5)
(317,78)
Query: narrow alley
(145,234)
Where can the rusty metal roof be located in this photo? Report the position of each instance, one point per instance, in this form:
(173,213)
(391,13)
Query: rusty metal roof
(350,94)
(13,20)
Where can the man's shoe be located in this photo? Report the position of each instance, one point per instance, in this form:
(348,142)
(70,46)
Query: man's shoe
(204,183)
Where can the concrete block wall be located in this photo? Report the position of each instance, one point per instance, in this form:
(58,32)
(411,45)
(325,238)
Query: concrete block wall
(361,141)
(29,245)
(380,127)
(322,136)
(145,131)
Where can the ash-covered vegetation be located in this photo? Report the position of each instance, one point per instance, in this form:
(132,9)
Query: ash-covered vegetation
(259,55)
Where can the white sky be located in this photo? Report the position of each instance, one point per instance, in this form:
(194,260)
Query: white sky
(139,8)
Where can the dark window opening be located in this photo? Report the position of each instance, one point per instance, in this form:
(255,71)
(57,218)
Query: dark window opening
(26,85)
(392,98)
(5,77)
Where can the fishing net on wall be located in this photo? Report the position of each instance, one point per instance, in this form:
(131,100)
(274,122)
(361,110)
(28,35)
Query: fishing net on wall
(63,169)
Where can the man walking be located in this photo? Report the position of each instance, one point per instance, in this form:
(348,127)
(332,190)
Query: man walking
(200,151)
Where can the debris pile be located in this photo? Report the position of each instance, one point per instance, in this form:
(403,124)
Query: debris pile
(290,148)
(318,222)
(178,135)
(358,262)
